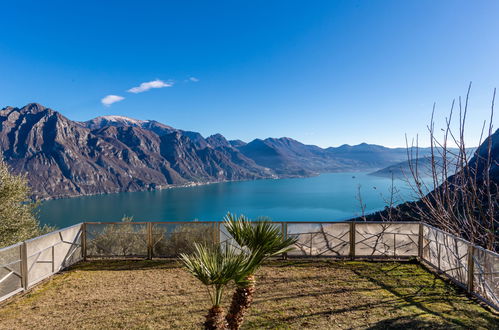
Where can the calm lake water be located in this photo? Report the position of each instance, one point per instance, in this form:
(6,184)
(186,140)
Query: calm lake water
(330,197)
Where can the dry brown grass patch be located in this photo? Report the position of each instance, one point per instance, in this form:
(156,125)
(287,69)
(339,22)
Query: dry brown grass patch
(293,294)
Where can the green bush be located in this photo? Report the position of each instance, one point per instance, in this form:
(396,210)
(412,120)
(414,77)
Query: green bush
(18,220)
(182,238)
(124,239)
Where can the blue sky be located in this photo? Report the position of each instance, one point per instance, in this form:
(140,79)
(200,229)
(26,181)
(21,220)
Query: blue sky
(323,72)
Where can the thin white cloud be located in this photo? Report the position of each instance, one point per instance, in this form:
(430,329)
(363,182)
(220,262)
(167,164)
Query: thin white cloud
(110,99)
(193,79)
(145,86)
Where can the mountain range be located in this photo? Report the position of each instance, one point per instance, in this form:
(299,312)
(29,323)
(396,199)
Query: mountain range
(64,158)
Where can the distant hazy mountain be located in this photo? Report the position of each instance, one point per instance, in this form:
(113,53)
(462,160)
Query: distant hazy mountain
(115,153)
(423,164)
(402,169)
(373,156)
(408,210)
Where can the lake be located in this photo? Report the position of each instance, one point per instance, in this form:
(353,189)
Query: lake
(328,197)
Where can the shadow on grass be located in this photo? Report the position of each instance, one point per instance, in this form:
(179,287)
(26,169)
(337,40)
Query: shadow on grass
(406,322)
(130,264)
(450,299)
(441,304)
(411,287)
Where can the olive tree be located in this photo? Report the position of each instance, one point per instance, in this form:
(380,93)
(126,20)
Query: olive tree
(18,219)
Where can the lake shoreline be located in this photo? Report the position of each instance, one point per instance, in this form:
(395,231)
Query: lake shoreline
(174,186)
(326,197)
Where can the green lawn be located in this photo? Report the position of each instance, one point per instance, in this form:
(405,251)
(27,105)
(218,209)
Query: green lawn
(293,294)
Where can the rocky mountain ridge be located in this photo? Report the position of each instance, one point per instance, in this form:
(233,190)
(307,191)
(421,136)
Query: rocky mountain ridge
(64,158)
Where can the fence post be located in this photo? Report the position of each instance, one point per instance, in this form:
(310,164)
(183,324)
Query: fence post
(352,240)
(24,266)
(394,245)
(284,230)
(420,241)
(438,252)
(84,241)
(471,267)
(53,259)
(216,233)
(149,240)
(311,243)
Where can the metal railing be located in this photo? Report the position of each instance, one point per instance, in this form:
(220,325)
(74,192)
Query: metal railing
(24,264)
(475,269)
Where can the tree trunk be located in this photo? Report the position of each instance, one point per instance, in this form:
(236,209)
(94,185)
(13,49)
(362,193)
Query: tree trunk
(215,319)
(241,301)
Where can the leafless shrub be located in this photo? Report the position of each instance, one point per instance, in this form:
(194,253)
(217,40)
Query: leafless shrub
(391,201)
(362,205)
(464,203)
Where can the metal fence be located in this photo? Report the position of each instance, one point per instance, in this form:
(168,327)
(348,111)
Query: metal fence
(24,264)
(469,266)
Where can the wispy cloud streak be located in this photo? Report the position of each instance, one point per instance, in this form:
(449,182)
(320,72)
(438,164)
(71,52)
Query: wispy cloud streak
(145,86)
(110,99)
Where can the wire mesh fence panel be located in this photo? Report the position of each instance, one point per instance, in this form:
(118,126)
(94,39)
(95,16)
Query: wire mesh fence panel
(431,247)
(486,275)
(10,271)
(27,263)
(225,239)
(171,239)
(447,253)
(320,239)
(385,239)
(52,252)
(114,240)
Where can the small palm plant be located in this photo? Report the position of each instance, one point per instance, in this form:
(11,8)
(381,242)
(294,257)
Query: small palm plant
(215,267)
(262,240)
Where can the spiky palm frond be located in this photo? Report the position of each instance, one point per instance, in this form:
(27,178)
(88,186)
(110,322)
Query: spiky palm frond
(216,266)
(260,237)
(263,240)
